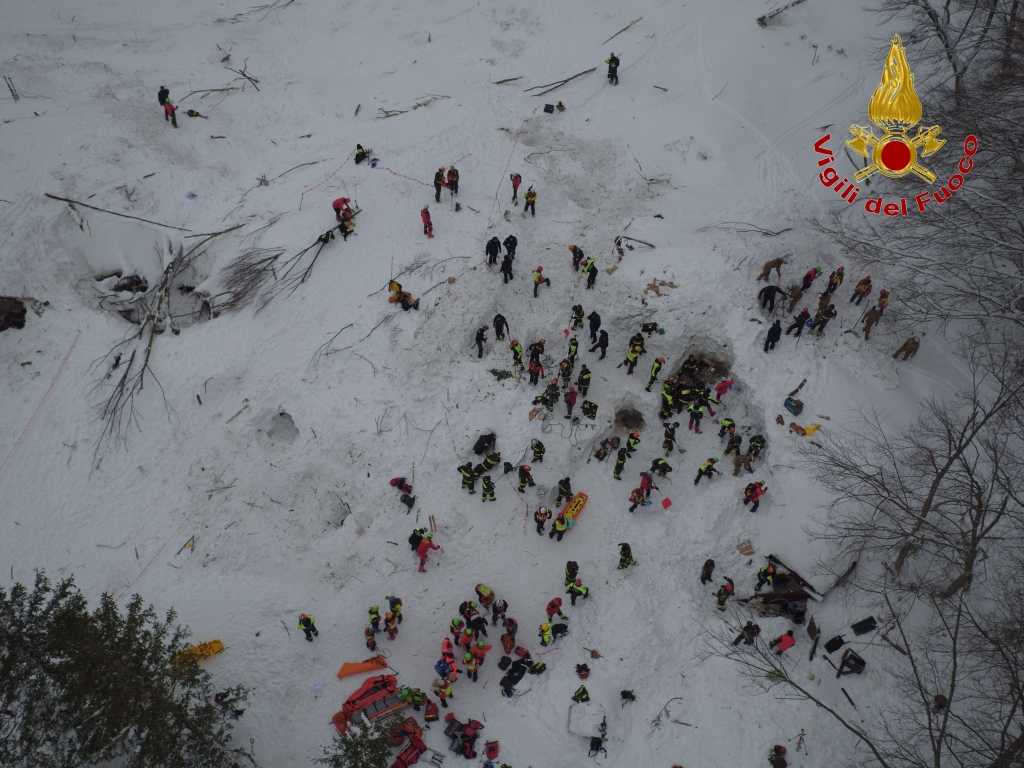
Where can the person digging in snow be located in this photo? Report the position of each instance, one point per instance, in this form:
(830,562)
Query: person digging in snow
(308,626)
(799,321)
(834,280)
(516,180)
(724,592)
(748,634)
(361,154)
(726,426)
(707,469)
(570,401)
(733,446)
(632,356)
(752,494)
(613,68)
(871,318)
(423,550)
(564,491)
(795,294)
(660,467)
(767,296)
(822,319)
(669,443)
(500,327)
(862,290)
(647,484)
(907,349)
(620,462)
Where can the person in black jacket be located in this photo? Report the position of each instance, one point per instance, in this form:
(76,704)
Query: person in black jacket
(481,337)
(438,183)
(506,269)
(602,344)
(767,296)
(500,326)
(510,246)
(163,95)
(774,334)
(595,326)
(493,250)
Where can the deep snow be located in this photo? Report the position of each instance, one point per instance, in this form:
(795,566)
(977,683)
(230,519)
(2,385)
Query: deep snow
(266,500)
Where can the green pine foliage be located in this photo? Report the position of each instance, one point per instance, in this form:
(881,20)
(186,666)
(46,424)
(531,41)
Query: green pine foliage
(368,747)
(81,688)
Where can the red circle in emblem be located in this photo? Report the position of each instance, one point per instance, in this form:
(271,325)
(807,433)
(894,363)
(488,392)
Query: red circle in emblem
(895,155)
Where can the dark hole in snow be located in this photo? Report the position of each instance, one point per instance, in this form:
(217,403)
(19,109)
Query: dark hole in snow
(629,418)
(701,370)
(281,428)
(12,313)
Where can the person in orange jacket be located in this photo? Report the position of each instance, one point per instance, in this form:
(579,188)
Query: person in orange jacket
(428,225)
(169,113)
(783,643)
(453,180)
(479,651)
(554,608)
(423,550)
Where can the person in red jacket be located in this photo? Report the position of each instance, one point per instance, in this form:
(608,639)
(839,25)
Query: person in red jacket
(516,180)
(453,180)
(169,113)
(536,370)
(753,493)
(636,498)
(423,550)
(783,643)
(554,608)
(570,401)
(479,651)
(428,225)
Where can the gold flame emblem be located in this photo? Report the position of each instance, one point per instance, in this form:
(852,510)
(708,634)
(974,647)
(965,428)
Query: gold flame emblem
(895,109)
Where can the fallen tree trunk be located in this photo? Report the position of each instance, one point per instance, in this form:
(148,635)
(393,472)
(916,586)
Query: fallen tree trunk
(554,85)
(69,201)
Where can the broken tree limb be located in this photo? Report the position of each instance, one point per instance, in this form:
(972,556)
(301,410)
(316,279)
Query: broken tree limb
(660,88)
(554,85)
(763,20)
(637,240)
(634,21)
(507,80)
(243,73)
(69,201)
(295,168)
(208,90)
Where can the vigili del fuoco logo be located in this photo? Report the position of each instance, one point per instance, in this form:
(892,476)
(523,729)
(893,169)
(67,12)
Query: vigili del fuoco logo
(894,109)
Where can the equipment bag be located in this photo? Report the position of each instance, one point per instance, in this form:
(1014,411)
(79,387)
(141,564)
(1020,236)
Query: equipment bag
(504,662)
(794,406)
(864,626)
(835,643)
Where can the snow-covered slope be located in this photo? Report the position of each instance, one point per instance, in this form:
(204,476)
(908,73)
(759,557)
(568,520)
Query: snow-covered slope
(266,495)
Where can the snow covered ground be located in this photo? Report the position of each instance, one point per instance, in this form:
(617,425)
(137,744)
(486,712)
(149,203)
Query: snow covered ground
(266,494)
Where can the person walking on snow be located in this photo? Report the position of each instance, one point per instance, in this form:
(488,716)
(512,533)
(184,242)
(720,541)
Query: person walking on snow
(530,198)
(591,274)
(481,337)
(517,353)
(799,321)
(834,281)
(506,269)
(423,550)
(821,321)
(538,450)
(577,317)
(438,184)
(308,626)
(752,494)
(696,411)
(487,488)
(871,318)
(583,381)
(570,401)
(374,617)
(862,290)
(602,344)
(809,277)
(577,257)
(162,95)
(500,327)
(768,266)
(554,608)
(468,477)
(511,243)
(707,469)
(613,68)
(595,325)
(767,296)
(564,491)
(574,348)
(492,250)
(620,462)
(453,180)
(706,571)
(669,443)
(774,334)
(540,517)
(907,349)
(428,225)
(516,180)
(655,370)
(538,279)
(883,300)
(577,589)
(170,113)
(632,356)
(625,556)
(525,477)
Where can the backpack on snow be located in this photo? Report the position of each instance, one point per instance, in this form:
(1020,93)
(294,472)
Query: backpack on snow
(442,668)
(537,668)
(414,540)
(504,662)
(794,406)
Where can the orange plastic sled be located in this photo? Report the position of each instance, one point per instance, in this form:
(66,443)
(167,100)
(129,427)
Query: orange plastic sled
(200,651)
(574,507)
(372,664)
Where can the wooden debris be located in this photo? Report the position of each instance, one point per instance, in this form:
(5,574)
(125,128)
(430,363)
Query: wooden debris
(10,86)
(555,84)
(656,285)
(507,80)
(634,21)
(660,88)
(763,20)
